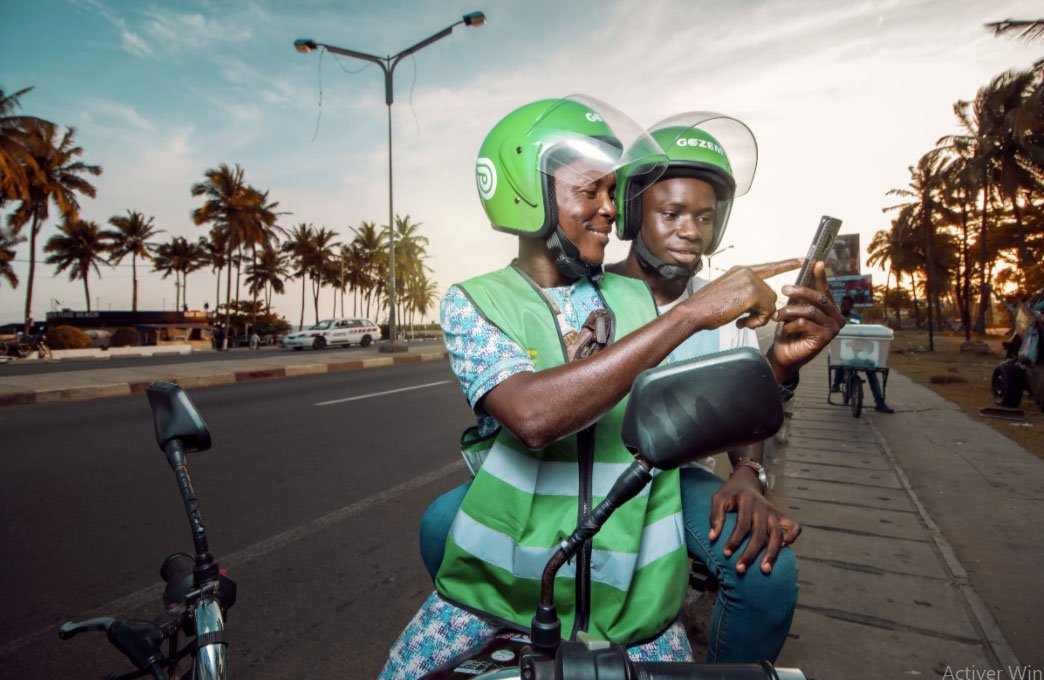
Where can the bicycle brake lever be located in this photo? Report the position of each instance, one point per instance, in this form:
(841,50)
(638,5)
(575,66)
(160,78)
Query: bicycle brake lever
(69,628)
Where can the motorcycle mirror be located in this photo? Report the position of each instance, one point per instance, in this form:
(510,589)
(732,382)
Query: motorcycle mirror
(175,417)
(682,412)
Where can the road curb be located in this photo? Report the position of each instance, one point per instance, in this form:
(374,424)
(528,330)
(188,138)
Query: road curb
(122,389)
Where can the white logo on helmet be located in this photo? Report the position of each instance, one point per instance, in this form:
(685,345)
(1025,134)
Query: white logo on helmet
(594,118)
(700,143)
(486,178)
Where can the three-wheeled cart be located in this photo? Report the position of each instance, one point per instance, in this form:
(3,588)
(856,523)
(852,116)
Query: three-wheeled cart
(858,350)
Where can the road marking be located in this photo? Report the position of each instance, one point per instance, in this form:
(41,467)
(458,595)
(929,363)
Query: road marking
(151,595)
(381,394)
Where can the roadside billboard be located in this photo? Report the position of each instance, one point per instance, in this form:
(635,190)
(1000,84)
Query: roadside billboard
(859,287)
(843,259)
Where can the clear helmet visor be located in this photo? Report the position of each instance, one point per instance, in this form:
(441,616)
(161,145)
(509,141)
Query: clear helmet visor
(584,139)
(734,137)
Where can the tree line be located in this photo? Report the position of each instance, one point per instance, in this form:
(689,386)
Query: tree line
(41,166)
(972,217)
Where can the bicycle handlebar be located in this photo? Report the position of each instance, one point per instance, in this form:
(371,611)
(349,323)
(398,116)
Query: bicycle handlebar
(139,641)
(69,629)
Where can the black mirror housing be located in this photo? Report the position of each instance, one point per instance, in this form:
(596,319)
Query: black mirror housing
(175,417)
(682,412)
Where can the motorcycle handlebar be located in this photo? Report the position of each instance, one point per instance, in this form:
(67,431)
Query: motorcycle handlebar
(696,671)
(590,660)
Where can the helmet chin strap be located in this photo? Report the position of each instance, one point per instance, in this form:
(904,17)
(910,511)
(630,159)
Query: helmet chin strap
(668,271)
(567,257)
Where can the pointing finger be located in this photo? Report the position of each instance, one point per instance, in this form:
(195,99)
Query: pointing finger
(770,269)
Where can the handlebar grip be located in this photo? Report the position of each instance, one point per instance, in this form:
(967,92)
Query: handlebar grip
(697,671)
(69,629)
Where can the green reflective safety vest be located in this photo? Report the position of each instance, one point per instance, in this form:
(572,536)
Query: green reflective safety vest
(523,503)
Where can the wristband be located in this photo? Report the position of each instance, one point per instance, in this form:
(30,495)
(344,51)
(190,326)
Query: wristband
(757,468)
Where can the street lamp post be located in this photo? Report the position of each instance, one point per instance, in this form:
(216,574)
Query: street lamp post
(388,64)
(710,273)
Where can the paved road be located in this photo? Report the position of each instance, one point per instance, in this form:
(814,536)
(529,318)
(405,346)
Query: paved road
(920,554)
(35,367)
(313,508)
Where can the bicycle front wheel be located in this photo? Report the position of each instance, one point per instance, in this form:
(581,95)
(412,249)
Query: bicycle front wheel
(855,391)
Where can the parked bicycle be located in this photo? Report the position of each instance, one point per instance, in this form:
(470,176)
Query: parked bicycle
(198,594)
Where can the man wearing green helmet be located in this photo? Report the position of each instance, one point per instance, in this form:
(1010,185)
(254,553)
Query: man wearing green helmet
(672,223)
(549,427)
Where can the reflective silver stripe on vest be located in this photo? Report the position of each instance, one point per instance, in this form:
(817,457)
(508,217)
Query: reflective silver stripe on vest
(534,477)
(612,568)
(661,538)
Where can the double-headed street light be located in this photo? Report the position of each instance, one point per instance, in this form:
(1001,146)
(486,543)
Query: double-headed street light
(719,251)
(388,64)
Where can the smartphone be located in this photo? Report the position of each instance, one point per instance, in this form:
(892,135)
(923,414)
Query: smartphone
(826,234)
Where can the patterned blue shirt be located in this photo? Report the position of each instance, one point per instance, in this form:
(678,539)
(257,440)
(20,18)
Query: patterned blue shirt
(482,356)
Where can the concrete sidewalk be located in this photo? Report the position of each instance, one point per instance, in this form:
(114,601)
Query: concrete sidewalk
(39,388)
(921,548)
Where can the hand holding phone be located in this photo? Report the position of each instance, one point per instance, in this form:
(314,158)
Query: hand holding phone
(823,241)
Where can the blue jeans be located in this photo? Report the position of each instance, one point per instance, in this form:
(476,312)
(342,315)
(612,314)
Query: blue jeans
(753,611)
(871,380)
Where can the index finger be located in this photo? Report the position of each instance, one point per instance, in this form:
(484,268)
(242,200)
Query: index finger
(770,269)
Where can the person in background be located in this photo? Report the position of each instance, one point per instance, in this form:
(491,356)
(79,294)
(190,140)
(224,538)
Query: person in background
(853,317)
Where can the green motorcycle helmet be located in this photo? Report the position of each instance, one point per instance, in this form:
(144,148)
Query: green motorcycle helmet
(531,147)
(711,147)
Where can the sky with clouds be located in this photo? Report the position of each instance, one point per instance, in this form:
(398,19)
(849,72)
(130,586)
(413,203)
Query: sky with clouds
(842,97)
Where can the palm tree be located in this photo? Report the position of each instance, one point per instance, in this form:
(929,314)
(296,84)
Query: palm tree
(369,247)
(8,242)
(883,252)
(959,202)
(926,181)
(17,165)
(1027,30)
(354,272)
(297,248)
(131,237)
(78,247)
(242,213)
(985,146)
(59,177)
(410,252)
(1028,122)
(179,257)
(320,252)
(163,260)
(188,257)
(213,250)
(423,295)
(268,274)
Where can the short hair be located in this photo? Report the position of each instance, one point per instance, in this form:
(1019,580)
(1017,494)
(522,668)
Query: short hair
(849,298)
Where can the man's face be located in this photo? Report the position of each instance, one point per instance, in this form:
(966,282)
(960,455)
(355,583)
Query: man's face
(585,209)
(678,220)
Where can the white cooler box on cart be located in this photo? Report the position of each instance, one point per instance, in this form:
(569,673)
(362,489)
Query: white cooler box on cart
(863,345)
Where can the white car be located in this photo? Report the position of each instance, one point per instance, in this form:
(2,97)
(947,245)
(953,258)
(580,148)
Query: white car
(344,332)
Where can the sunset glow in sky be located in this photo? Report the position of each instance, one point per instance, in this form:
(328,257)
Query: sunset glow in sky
(842,97)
